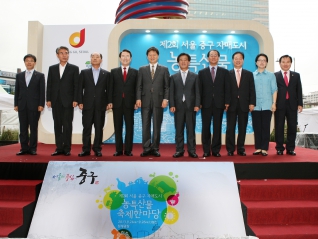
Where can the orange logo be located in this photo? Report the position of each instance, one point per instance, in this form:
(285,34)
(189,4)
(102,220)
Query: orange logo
(80,35)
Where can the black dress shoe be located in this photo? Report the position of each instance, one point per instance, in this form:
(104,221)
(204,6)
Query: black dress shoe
(206,155)
(68,153)
(56,153)
(32,152)
(193,155)
(264,153)
(280,152)
(216,154)
(128,153)
(290,152)
(22,152)
(118,153)
(98,154)
(84,153)
(178,154)
(230,153)
(156,153)
(257,153)
(145,153)
(241,153)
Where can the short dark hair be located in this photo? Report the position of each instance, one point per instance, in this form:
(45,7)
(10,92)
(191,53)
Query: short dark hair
(125,50)
(184,54)
(213,50)
(100,54)
(261,54)
(152,49)
(61,47)
(286,56)
(29,56)
(238,52)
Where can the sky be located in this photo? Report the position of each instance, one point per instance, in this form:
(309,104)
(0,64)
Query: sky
(293,26)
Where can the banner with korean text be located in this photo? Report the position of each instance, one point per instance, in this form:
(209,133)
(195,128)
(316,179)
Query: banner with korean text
(122,200)
(197,46)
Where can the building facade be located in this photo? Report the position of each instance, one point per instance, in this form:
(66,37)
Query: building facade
(256,10)
(311,99)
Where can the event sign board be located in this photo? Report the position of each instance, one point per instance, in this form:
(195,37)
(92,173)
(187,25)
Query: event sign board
(121,200)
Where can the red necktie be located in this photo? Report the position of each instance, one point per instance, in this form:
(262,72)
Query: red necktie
(286,82)
(125,74)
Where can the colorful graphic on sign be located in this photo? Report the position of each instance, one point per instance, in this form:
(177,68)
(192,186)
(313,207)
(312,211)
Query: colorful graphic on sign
(80,35)
(139,208)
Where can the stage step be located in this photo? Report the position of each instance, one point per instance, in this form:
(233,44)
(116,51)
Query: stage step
(281,209)
(16,198)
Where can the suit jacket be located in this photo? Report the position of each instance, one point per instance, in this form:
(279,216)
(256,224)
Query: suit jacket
(217,91)
(31,96)
(91,95)
(66,87)
(246,91)
(118,87)
(157,89)
(294,90)
(190,90)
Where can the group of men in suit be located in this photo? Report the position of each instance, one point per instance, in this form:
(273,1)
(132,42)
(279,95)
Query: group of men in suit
(124,89)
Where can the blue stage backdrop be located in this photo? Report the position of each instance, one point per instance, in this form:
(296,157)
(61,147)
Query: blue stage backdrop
(197,46)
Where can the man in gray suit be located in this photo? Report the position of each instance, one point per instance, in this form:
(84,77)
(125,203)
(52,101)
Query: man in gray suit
(184,103)
(152,97)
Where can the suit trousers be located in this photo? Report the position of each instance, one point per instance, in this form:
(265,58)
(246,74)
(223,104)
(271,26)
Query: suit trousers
(242,119)
(207,114)
(156,113)
(63,118)
(92,117)
(28,118)
(291,118)
(184,117)
(261,124)
(120,115)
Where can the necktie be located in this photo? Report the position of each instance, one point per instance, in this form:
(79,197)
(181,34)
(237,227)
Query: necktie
(213,73)
(125,74)
(28,77)
(184,80)
(238,78)
(152,71)
(286,82)
(183,77)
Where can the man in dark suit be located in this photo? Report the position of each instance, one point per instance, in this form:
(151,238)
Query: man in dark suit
(61,95)
(122,99)
(289,101)
(184,103)
(29,100)
(215,98)
(92,100)
(152,97)
(243,100)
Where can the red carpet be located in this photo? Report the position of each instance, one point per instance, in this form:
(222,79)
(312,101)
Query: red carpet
(16,199)
(281,209)
(167,150)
